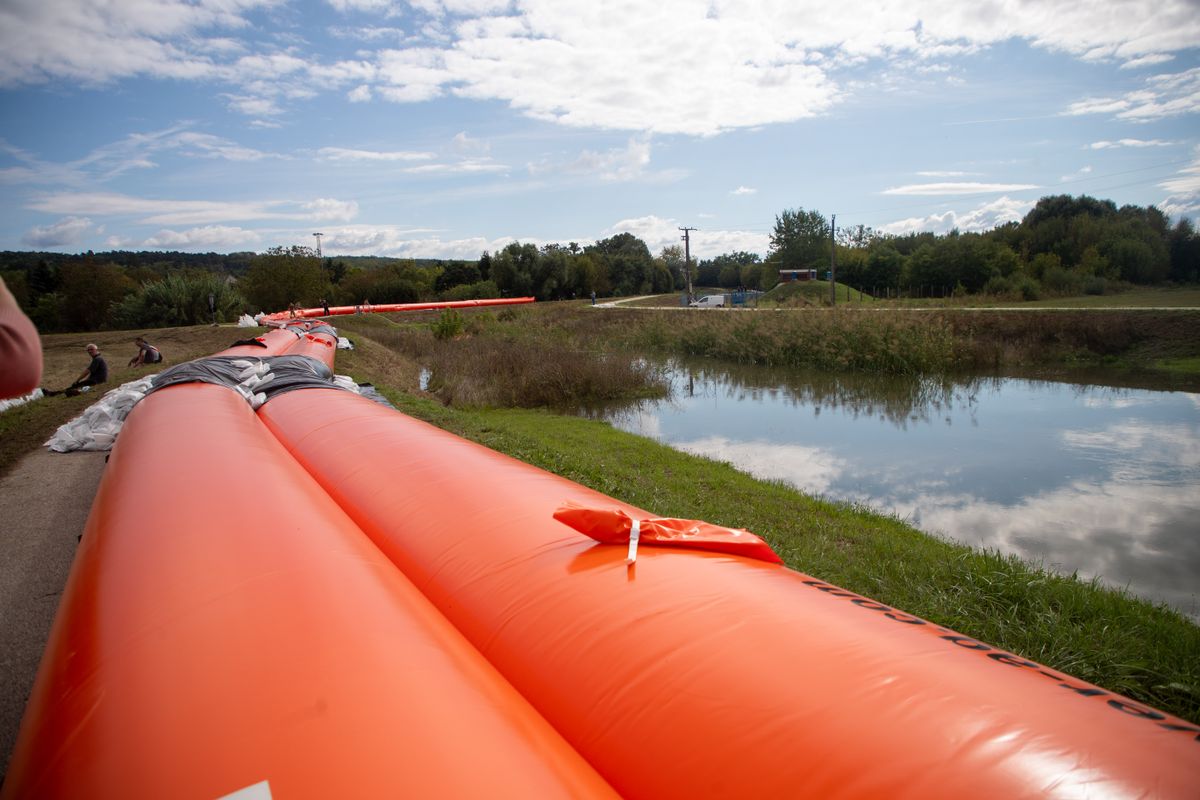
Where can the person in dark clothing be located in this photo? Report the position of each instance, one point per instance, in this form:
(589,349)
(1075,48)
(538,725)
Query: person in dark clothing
(96,372)
(146,354)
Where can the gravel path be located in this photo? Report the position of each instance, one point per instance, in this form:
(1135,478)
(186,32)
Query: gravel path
(44,503)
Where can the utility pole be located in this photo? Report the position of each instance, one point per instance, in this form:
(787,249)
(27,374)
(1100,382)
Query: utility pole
(687,259)
(318,236)
(833,260)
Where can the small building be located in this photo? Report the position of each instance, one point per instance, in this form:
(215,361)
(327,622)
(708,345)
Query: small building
(792,275)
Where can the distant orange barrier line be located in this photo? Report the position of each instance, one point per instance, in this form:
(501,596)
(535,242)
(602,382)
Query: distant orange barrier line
(388,308)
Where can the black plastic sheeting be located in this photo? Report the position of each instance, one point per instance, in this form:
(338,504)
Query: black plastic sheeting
(269,375)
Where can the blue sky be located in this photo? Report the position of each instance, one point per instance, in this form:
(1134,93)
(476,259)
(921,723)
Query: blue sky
(443,128)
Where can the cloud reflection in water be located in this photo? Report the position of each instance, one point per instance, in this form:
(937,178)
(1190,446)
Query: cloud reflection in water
(1099,481)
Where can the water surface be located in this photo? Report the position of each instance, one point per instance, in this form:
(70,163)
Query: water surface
(1081,478)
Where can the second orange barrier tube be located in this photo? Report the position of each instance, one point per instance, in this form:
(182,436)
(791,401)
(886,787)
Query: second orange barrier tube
(696,674)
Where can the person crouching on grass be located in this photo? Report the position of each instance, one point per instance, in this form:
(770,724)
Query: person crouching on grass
(146,354)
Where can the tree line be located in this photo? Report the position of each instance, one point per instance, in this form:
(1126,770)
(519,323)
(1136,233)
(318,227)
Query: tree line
(1065,245)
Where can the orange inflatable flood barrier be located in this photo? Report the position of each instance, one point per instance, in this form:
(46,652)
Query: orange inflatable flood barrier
(225,625)
(389,308)
(697,674)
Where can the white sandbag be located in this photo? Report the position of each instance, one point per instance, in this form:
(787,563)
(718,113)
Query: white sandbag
(100,423)
(13,402)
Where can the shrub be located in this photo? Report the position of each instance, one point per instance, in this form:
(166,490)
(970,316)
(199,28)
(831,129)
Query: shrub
(448,325)
(998,286)
(179,299)
(1062,281)
(1028,288)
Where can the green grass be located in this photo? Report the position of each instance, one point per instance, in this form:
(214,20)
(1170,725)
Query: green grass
(799,294)
(1179,366)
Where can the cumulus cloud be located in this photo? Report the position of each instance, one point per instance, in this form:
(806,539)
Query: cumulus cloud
(742,191)
(66,232)
(209,237)
(669,67)
(983,218)
(396,242)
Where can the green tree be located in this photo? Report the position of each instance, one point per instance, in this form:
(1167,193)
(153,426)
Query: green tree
(284,275)
(628,261)
(800,240)
(179,299)
(457,273)
(671,258)
(1184,246)
(88,290)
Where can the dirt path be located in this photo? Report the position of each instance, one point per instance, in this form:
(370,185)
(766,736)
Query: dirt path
(44,503)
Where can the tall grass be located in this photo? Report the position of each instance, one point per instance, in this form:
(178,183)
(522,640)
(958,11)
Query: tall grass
(480,361)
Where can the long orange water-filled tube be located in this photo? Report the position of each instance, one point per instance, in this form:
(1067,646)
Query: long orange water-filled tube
(388,308)
(692,674)
(226,626)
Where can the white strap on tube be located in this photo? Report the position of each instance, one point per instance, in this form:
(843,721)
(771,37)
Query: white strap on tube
(635,533)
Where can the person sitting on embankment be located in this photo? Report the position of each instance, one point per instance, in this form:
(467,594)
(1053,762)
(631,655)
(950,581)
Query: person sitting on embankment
(146,354)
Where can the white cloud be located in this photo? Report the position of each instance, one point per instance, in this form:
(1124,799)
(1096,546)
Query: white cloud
(810,469)
(66,232)
(325,208)
(1187,180)
(742,191)
(400,243)
(1163,96)
(1106,145)
(951,189)
(658,232)
(465,144)
(465,166)
(1147,61)
(359,94)
(349,154)
(210,237)
(983,218)
(675,66)
(152,211)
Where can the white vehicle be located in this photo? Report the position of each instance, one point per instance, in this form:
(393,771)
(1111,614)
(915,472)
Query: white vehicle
(709,301)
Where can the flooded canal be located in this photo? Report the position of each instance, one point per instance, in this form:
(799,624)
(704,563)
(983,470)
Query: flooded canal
(1100,481)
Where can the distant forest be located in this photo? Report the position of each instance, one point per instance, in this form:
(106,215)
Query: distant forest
(1064,246)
